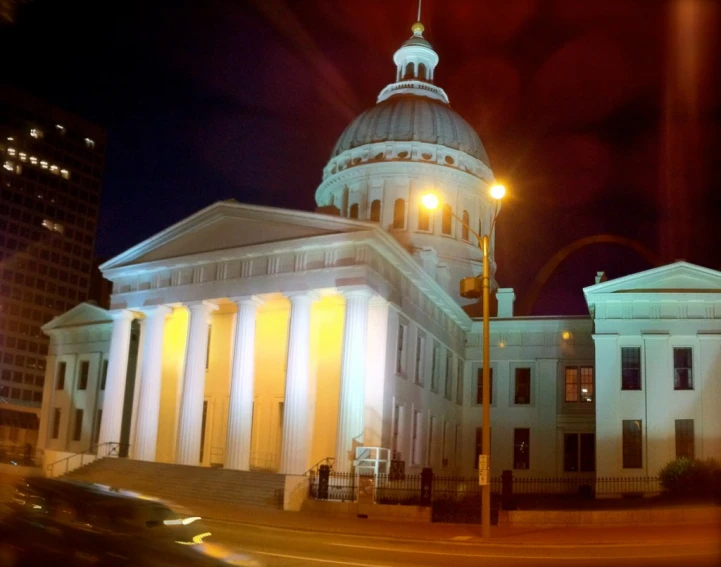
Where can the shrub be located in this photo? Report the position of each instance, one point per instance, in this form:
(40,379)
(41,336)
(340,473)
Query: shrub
(690,477)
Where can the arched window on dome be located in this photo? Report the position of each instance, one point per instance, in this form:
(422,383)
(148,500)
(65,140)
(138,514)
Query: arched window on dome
(409,72)
(353,213)
(422,72)
(466,221)
(424,218)
(447,220)
(399,213)
(480,226)
(376,211)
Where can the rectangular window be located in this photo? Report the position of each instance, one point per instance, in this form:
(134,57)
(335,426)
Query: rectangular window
(631,368)
(522,390)
(416,438)
(435,362)
(96,433)
(479,385)
(682,369)
(431,441)
(60,376)
(632,444)
(521,448)
(56,423)
(420,352)
(456,445)
(400,350)
(449,376)
(459,384)
(104,375)
(78,425)
(83,378)
(444,445)
(396,432)
(579,452)
(579,384)
(684,438)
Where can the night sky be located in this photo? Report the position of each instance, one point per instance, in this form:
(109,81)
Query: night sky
(601,116)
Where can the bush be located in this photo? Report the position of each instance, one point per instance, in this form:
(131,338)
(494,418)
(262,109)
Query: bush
(691,477)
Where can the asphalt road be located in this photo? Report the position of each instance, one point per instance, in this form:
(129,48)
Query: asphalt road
(294,548)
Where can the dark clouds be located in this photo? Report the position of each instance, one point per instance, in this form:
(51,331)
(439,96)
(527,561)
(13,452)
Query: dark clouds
(603,117)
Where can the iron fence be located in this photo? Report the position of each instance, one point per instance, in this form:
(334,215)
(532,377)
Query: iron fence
(405,489)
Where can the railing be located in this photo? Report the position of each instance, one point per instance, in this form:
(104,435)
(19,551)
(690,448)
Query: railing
(328,461)
(109,449)
(406,489)
(588,485)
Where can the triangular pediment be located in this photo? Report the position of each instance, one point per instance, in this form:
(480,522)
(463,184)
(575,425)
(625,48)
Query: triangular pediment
(81,314)
(229,225)
(679,277)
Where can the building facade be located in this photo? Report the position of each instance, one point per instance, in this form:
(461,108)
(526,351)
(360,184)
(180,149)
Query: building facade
(262,338)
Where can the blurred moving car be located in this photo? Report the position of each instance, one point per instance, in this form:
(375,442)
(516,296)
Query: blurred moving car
(56,522)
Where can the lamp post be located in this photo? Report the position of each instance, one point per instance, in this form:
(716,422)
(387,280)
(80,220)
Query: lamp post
(431,201)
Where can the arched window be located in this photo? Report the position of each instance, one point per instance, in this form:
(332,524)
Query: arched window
(424,218)
(409,72)
(399,214)
(480,227)
(422,71)
(447,222)
(376,211)
(353,211)
(466,220)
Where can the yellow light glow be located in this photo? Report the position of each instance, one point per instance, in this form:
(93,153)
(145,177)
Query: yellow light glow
(566,335)
(498,191)
(430,201)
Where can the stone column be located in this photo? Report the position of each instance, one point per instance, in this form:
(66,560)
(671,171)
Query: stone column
(240,409)
(146,429)
(191,405)
(136,385)
(352,381)
(115,385)
(294,448)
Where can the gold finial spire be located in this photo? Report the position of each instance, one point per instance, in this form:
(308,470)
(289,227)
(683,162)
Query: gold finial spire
(418,28)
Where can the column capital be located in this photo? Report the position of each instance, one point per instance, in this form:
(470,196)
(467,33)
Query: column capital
(121,314)
(201,305)
(256,300)
(357,291)
(298,296)
(151,310)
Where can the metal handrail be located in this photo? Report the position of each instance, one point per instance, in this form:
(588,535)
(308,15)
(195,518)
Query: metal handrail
(114,449)
(330,461)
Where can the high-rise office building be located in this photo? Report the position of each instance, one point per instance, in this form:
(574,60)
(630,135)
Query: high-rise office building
(50,181)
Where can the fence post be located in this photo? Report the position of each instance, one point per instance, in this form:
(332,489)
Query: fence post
(323,478)
(506,489)
(426,486)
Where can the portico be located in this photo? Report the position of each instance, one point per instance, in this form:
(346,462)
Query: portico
(280,403)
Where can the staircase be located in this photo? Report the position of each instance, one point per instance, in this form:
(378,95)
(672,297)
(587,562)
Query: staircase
(183,483)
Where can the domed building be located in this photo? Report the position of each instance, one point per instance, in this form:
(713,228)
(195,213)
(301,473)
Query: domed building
(411,143)
(270,340)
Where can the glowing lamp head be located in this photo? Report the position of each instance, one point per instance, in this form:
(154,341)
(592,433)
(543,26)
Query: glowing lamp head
(430,201)
(497,191)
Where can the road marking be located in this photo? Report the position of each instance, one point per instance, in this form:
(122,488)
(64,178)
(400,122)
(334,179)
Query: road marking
(531,557)
(303,558)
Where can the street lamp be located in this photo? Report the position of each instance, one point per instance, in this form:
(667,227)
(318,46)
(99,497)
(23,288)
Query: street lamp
(431,201)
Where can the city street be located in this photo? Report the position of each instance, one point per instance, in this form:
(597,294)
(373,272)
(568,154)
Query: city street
(684,545)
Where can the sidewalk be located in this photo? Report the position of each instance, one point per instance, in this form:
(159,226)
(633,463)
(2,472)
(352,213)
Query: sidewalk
(462,533)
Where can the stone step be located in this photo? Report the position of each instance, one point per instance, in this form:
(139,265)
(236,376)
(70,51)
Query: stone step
(183,482)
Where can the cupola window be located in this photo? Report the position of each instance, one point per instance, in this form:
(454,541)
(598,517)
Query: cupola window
(353,211)
(422,72)
(424,218)
(409,72)
(399,213)
(376,211)
(447,223)
(466,220)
